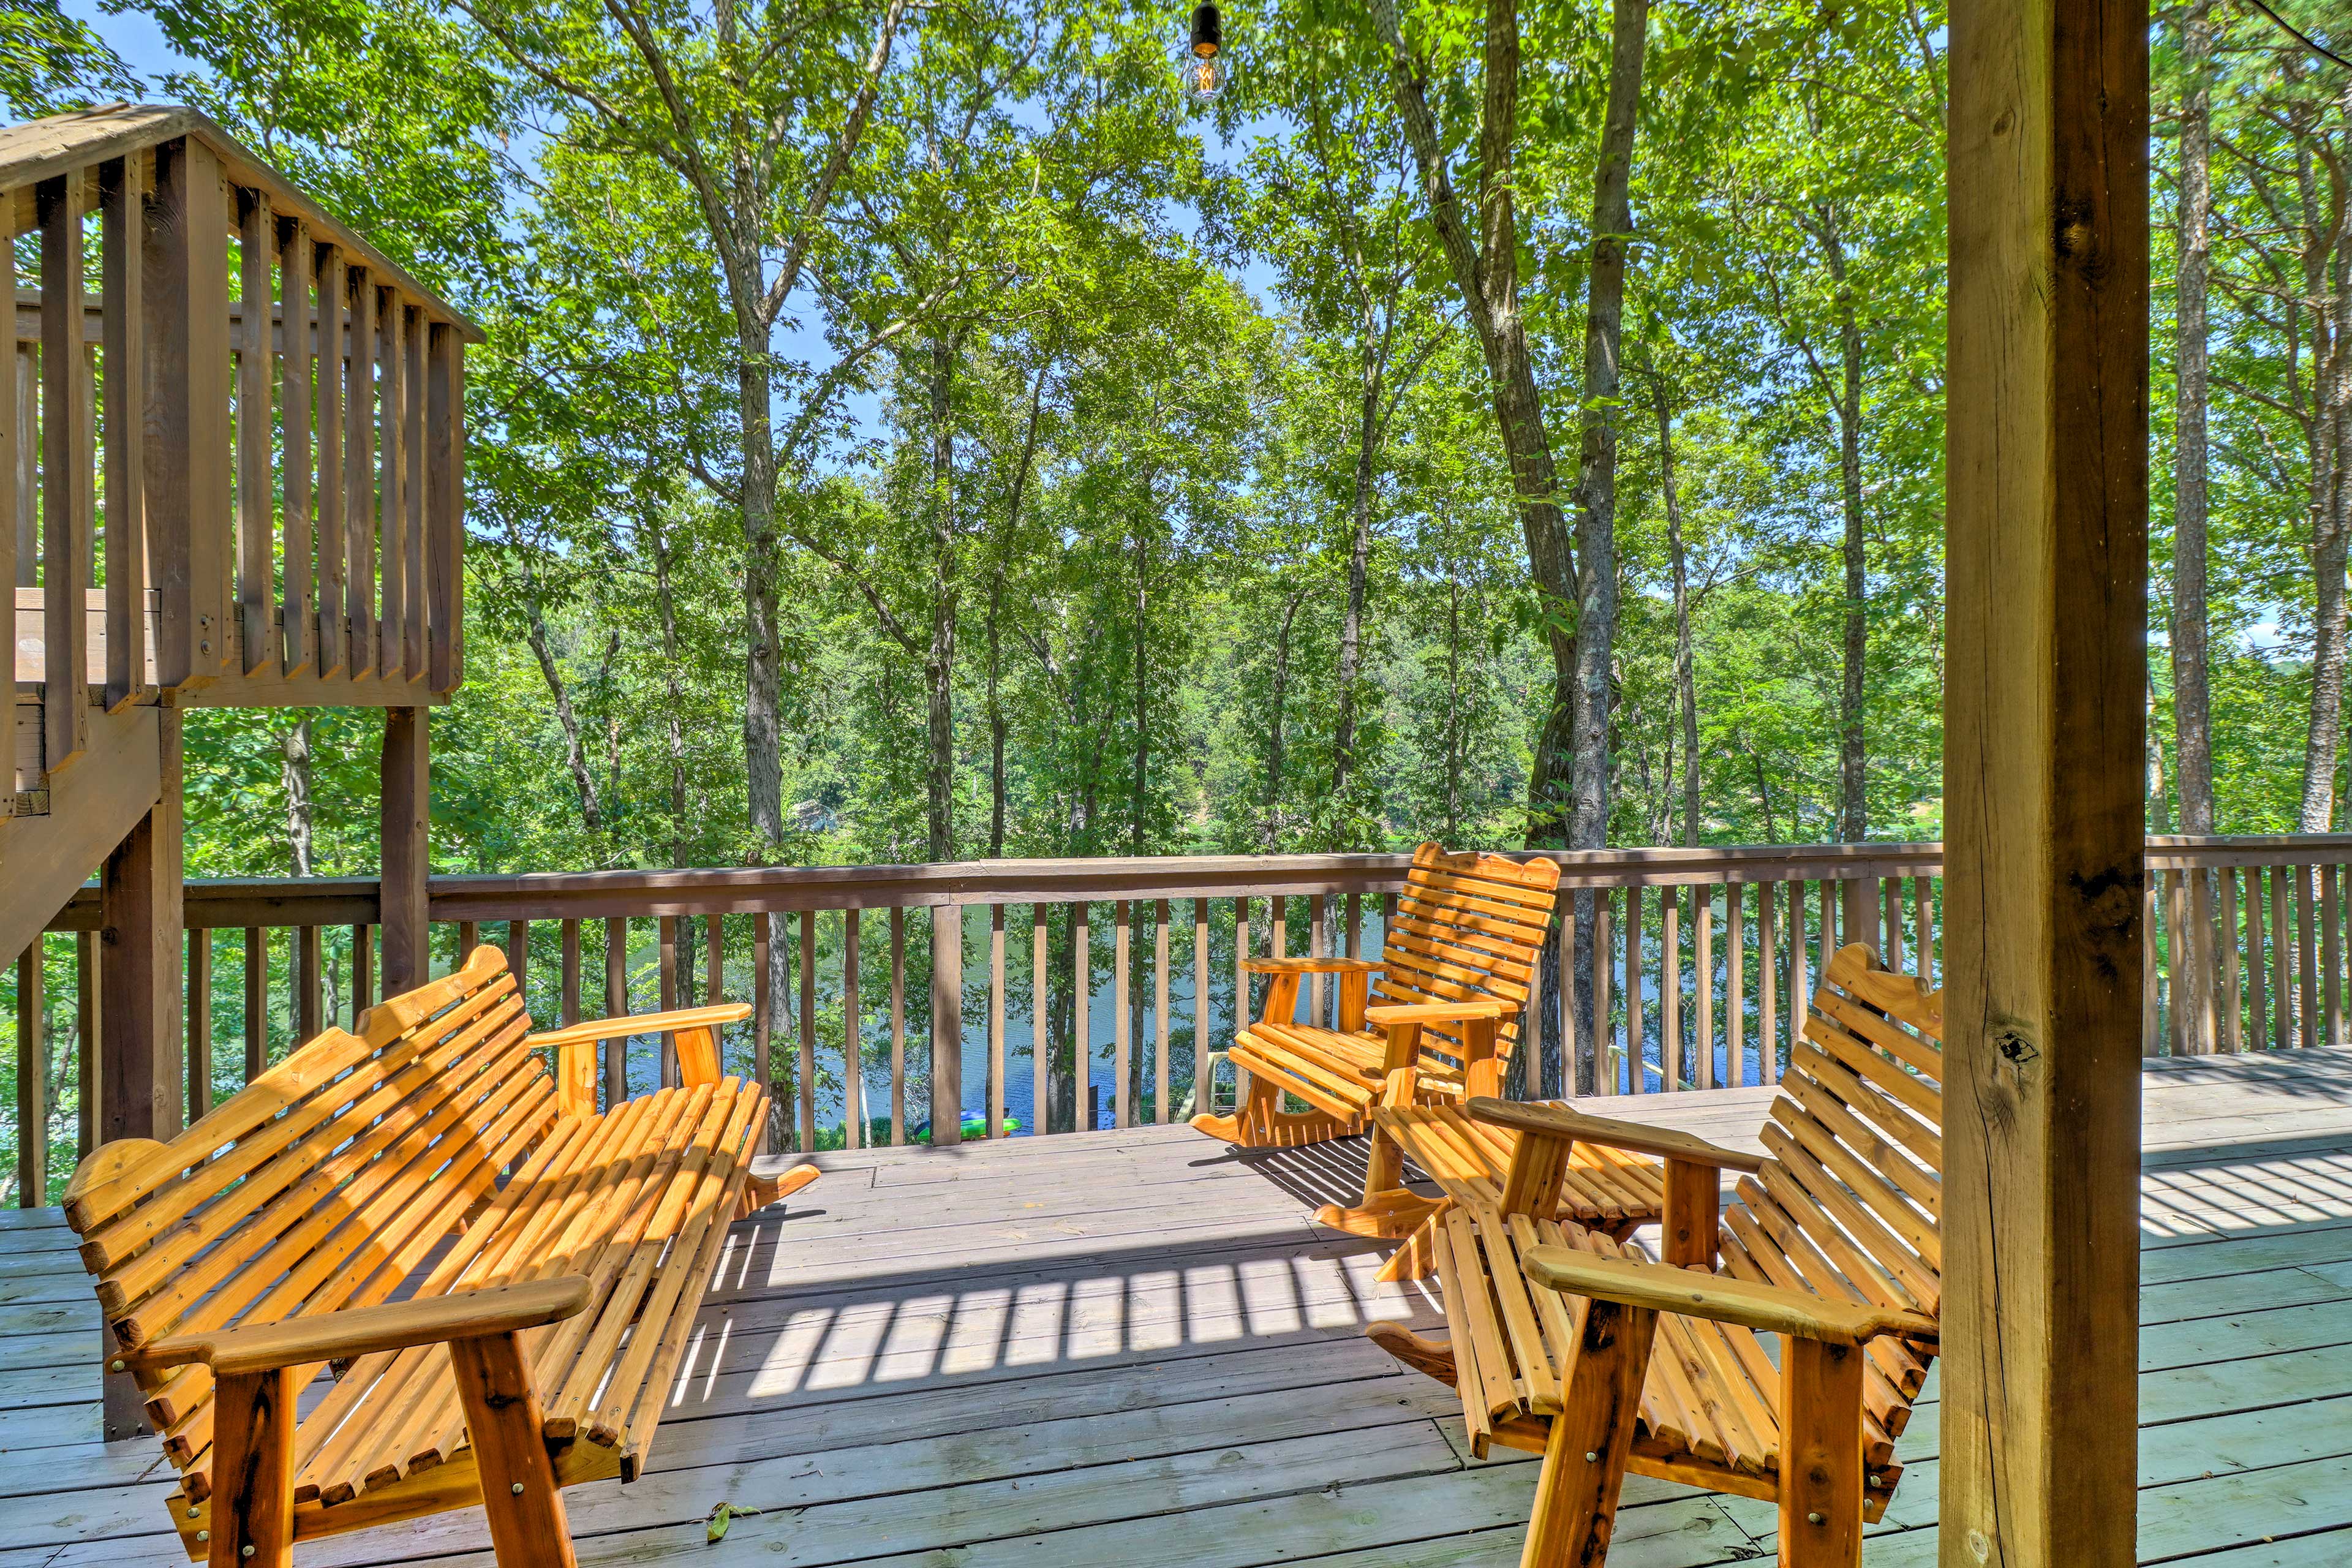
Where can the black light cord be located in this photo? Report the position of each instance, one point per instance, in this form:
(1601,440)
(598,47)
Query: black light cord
(2305,39)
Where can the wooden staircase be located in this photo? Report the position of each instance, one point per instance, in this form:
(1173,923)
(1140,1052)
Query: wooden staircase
(232,434)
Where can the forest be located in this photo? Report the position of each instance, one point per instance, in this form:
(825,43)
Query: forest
(911,431)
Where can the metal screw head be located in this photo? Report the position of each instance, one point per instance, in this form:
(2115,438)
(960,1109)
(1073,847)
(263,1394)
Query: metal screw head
(1814,1518)
(194,1512)
(1591,1457)
(203,1535)
(114,1365)
(518,1488)
(245,1551)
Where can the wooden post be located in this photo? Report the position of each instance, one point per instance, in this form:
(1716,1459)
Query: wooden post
(142,1019)
(32,1076)
(807,953)
(2045,709)
(89,1060)
(994,1126)
(763,1056)
(256,1001)
(187,442)
(570,996)
(666,996)
(853,1038)
(947,1026)
(407,861)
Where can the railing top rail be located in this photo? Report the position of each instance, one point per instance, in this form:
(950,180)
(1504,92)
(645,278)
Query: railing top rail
(39,150)
(226,903)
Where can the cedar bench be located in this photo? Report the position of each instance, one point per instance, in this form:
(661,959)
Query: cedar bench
(268,1240)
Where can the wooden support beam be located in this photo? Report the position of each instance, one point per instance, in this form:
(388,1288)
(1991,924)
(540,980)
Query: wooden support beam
(32,1079)
(408,859)
(139,891)
(2045,694)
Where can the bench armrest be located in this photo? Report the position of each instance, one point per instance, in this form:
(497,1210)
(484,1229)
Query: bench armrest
(1766,1309)
(597,1030)
(362,1331)
(1310,965)
(1388,1012)
(1559,1121)
(695,1028)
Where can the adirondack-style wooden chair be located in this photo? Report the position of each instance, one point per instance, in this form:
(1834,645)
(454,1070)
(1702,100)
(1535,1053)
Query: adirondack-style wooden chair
(1438,1025)
(1563,1343)
(265,1242)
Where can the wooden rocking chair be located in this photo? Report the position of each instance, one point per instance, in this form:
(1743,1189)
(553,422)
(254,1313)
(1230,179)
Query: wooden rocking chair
(1613,1362)
(1453,982)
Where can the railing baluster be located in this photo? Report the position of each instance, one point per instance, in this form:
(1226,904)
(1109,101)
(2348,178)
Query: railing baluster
(519,958)
(412,497)
(2306,949)
(1735,975)
(363,970)
(807,954)
(2332,963)
(2279,959)
(1636,1024)
(2176,966)
(1767,981)
(294,265)
(1121,1046)
(1316,905)
(18,443)
(897,1025)
(2233,1023)
(1201,1006)
(1703,904)
(256,593)
(1670,989)
(616,1005)
(2202,960)
(89,1093)
(714,958)
(360,425)
(308,969)
(1082,1051)
(569,1000)
(1041,1046)
(470,937)
(1558,998)
(1162,1108)
(2151,971)
(1923,928)
(122,202)
(852,1038)
(2258,992)
(257,996)
(327,267)
(391,507)
(444,528)
(1241,1006)
(65,473)
(199,1024)
(1604,964)
(665,999)
(995,1121)
(32,1069)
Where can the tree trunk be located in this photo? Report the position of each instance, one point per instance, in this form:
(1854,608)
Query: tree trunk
(294,771)
(2331,518)
(1137,813)
(1485,270)
(1270,829)
(2191,702)
(592,813)
(939,664)
(674,697)
(1853,798)
(995,728)
(1596,485)
(1686,679)
(1455,723)
(1367,427)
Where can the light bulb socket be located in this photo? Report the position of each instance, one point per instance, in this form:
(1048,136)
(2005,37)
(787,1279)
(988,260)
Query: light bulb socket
(1208,31)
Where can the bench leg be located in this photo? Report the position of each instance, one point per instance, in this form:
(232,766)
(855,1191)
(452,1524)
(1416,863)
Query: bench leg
(1388,1208)
(1262,1124)
(505,1424)
(1821,1455)
(1433,1358)
(1584,1462)
(252,1508)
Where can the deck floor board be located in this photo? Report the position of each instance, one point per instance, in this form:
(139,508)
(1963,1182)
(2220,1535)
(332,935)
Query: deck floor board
(1136,1346)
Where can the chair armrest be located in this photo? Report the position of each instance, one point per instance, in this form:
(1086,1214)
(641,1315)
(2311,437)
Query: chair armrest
(1388,1012)
(1310,965)
(362,1331)
(1766,1309)
(600,1029)
(1559,1121)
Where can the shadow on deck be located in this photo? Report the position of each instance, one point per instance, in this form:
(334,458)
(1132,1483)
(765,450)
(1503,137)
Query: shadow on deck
(1135,1347)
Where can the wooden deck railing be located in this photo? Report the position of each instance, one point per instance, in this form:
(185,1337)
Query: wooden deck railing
(1705,951)
(202,500)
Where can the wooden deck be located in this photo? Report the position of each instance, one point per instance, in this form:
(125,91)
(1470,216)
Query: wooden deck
(1134,1348)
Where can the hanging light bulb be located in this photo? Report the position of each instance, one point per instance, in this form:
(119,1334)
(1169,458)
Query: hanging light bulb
(1203,68)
